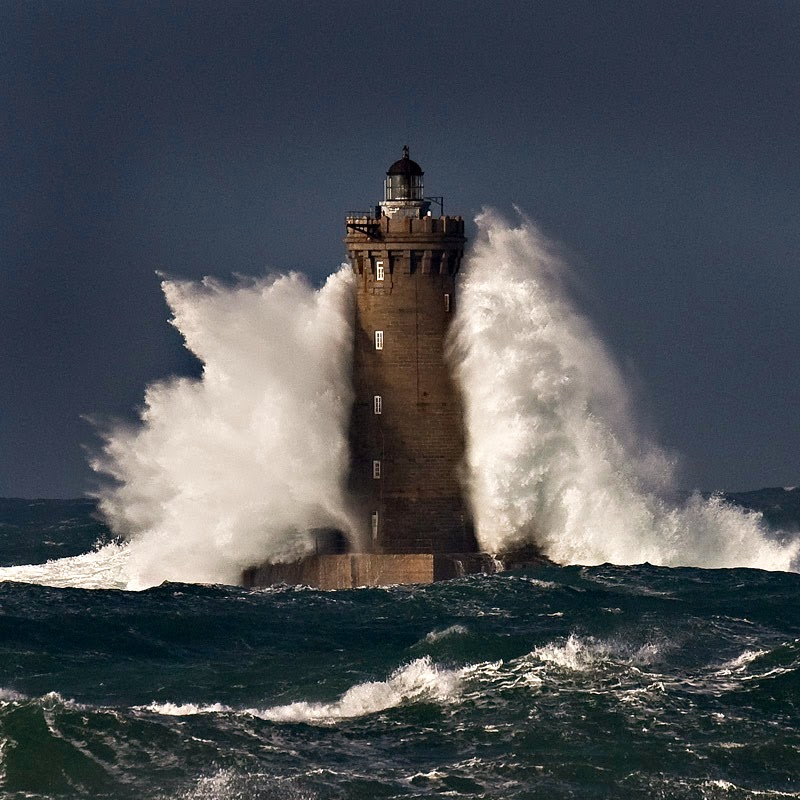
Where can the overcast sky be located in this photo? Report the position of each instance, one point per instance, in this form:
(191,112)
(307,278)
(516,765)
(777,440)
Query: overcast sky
(657,142)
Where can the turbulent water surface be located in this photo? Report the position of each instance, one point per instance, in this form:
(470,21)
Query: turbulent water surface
(555,682)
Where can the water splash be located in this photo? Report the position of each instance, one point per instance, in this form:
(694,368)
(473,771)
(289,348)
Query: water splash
(234,468)
(554,455)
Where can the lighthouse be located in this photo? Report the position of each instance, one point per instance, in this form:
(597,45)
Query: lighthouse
(407,431)
(407,437)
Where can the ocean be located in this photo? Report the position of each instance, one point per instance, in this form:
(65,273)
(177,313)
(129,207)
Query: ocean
(550,682)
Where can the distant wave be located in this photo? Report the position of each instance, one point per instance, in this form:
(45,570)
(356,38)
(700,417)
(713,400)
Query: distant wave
(635,672)
(452,630)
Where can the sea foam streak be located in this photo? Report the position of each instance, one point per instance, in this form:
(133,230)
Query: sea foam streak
(232,469)
(553,452)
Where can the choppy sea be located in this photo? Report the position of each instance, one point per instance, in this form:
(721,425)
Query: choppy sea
(552,682)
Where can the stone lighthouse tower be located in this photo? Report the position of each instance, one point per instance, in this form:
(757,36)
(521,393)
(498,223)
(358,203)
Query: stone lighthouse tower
(407,437)
(406,429)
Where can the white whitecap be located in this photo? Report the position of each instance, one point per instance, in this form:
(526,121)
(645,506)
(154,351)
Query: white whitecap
(579,654)
(419,681)
(184,709)
(452,630)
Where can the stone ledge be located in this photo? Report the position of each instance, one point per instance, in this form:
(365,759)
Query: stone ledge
(371,569)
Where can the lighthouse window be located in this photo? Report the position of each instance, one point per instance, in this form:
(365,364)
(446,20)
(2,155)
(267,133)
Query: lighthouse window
(376,470)
(404,187)
(374,525)
(447,303)
(379,270)
(378,404)
(379,340)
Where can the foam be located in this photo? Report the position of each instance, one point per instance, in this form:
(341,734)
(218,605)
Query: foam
(229,784)
(10,696)
(742,660)
(184,709)
(585,654)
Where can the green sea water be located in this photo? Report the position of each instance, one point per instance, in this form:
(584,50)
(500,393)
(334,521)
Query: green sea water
(554,682)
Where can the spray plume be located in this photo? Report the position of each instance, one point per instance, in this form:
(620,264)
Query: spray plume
(233,469)
(553,454)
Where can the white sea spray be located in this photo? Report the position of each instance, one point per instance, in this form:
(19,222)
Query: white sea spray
(234,468)
(555,456)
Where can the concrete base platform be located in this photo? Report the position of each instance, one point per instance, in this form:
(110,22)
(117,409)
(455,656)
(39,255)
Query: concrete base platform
(352,570)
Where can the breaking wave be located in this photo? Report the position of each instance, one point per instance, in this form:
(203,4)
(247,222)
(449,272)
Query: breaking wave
(105,567)
(419,681)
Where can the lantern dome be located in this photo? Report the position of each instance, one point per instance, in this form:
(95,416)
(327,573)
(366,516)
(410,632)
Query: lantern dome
(404,180)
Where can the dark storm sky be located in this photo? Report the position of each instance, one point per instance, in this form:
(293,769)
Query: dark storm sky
(658,142)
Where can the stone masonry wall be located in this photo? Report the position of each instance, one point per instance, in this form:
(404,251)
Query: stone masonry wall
(418,437)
